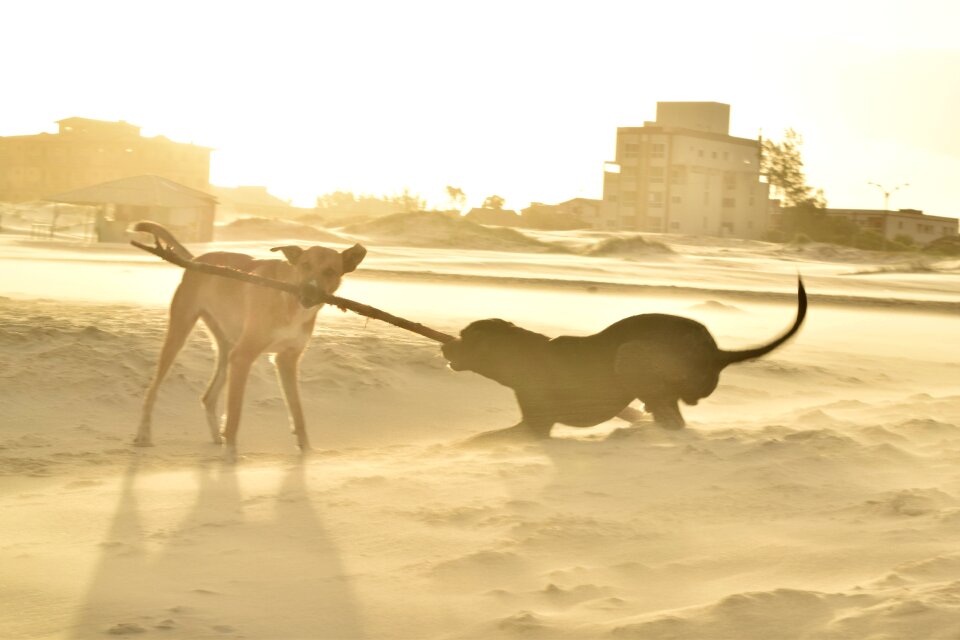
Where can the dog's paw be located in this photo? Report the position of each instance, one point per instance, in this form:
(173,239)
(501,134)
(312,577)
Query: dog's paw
(306,452)
(230,454)
(512,435)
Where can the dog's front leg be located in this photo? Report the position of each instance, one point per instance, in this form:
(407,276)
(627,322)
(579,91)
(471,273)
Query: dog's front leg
(521,432)
(241,359)
(666,413)
(288,364)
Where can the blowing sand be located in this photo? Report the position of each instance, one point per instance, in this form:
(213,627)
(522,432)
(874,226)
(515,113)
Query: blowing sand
(816,494)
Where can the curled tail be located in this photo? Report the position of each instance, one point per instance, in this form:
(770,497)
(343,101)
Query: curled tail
(163,236)
(730,357)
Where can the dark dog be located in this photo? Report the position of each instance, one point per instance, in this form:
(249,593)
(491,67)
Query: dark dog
(583,381)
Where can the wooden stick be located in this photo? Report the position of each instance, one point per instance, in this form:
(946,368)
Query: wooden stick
(307,294)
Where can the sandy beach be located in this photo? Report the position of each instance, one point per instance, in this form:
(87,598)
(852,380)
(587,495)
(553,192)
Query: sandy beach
(815,494)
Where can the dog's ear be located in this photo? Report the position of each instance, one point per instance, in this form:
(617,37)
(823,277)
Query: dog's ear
(353,257)
(291,253)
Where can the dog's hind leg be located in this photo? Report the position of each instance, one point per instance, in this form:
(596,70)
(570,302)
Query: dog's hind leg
(666,413)
(211,397)
(287,364)
(183,315)
(631,415)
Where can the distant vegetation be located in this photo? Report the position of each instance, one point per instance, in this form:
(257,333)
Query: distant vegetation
(346,203)
(494,202)
(457,198)
(782,164)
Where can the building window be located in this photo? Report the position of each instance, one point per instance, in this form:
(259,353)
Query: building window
(728,203)
(675,199)
(656,199)
(714,155)
(631,150)
(656,174)
(657,150)
(674,226)
(700,152)
(677,175)
(629,197)
(612,198)
(726,155)
(729,180)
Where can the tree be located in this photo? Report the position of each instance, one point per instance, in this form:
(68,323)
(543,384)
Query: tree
(493,202)
(348,203)
(337,200)
(409,201)
(782,164)
(457,197)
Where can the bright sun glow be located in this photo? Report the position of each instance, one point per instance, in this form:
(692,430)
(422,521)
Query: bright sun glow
(516,99)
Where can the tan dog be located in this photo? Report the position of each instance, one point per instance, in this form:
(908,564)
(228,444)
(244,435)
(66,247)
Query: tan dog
(246,321)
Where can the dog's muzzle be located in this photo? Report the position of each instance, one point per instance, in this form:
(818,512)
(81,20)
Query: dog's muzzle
(451,351)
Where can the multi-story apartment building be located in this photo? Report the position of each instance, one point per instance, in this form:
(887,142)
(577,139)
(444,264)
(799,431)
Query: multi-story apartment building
(85,152)
(684,173)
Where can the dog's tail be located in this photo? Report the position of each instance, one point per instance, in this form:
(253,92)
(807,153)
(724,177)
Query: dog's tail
(731,357)
(162,234)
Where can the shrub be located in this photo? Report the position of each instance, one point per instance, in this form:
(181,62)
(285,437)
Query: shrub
(945,246)
(870,240)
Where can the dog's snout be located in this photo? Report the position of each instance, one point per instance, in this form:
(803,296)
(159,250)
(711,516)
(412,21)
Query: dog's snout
(451,350)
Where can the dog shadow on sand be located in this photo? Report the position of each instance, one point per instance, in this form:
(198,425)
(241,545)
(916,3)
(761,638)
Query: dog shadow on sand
(238,564)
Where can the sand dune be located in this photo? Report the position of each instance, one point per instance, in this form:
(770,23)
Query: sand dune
(429,229)
(266,229)
(814,495)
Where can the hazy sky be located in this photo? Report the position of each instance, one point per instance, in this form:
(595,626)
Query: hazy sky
(521,99)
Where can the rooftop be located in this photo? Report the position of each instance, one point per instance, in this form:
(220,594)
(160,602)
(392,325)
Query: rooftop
(143,191)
